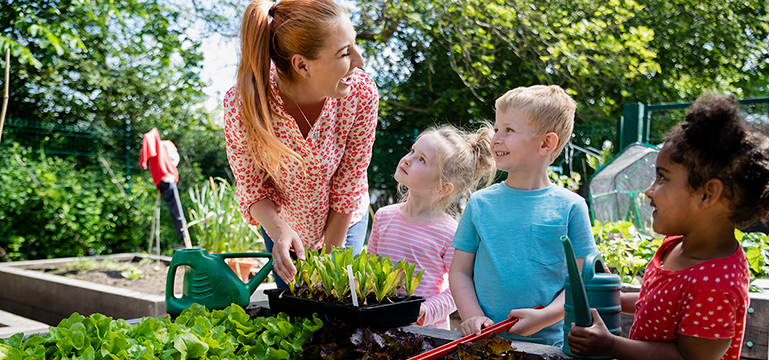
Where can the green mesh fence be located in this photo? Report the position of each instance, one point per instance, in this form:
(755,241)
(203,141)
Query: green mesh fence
(119,147)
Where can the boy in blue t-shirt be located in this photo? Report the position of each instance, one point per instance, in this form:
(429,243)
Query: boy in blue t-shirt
(509,257)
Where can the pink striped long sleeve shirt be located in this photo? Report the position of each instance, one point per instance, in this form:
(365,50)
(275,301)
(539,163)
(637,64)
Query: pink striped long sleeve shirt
(426,245)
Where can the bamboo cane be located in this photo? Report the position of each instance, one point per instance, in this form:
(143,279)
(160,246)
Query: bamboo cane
(5,96)
(112,175)
(155,222)
(29,173)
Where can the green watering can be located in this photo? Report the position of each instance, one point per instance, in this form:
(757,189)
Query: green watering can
(593,289)
(210,281)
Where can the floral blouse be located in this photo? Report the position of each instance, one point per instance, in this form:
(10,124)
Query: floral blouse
(336,160)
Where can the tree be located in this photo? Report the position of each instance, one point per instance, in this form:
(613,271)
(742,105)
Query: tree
(603,53)
(106,64)
(448,60)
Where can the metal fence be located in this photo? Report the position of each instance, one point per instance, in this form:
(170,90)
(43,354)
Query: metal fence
(121,148)
(662,117)
(649,123)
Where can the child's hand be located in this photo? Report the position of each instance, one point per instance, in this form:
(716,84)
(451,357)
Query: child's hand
(529,321)
(421,318)
(593,340)
(474,325)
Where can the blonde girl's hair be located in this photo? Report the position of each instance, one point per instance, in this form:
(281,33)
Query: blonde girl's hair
(276,32)
(464,159)
(548,108)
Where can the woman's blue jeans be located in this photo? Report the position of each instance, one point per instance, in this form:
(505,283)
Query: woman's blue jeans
(356,237)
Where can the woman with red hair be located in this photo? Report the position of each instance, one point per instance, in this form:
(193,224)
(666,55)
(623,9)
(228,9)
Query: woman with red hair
(300,126)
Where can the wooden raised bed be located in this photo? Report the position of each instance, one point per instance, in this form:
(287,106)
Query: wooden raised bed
(523,350)
(50,298)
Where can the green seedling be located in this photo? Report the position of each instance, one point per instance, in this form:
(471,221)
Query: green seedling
(324,276)
(132,274)
(410,282)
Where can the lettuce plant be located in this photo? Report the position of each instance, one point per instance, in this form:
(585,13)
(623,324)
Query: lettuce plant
(410,282)
(324,276)
(195,334)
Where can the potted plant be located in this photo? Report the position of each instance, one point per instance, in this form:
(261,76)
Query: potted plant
(363,290)
(219,226)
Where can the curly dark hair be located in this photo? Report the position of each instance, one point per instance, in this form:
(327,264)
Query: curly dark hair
(715,142)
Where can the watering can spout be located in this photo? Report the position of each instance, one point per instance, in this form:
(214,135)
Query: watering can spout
(582,314)
(261,275)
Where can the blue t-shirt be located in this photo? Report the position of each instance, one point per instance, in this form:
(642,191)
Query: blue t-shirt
(519,258)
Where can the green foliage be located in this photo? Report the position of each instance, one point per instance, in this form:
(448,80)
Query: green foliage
(410,281)
(72,213)
(217,223)
(132,274)
(441,61)
(195,334)
(570,182)
(756,247)
(324,276)
(626,250)
(103,65)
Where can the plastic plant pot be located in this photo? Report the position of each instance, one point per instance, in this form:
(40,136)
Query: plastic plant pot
(385,316)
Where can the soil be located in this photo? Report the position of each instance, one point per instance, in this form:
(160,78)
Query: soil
(146,276)
(152,279)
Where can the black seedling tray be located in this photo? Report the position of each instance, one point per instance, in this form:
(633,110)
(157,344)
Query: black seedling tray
(400,313)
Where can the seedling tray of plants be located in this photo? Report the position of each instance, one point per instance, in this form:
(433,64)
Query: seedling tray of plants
(361,290)
(401,312)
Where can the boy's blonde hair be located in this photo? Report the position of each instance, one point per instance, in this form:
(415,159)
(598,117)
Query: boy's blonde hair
(548,108)
(464,159)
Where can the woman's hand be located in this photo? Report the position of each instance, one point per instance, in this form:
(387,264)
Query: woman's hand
(474,325)
(283,236)
(286,240)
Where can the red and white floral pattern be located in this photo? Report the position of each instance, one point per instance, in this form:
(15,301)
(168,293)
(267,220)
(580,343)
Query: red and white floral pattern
(336,161)
(708,300)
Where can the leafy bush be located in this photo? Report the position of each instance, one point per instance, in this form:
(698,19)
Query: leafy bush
(217,225)
(69,212)
(627,251)
(756,247)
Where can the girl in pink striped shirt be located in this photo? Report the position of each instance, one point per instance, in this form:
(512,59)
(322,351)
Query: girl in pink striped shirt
(443,165)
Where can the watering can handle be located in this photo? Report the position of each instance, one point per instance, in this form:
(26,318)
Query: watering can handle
(171,299)
(592,265)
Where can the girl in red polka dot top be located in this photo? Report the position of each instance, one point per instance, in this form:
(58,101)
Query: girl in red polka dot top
(712,176)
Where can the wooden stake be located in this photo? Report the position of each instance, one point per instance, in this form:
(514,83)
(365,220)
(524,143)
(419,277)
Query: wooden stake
(155,222)
(5,96)
(31,175)
(112,175)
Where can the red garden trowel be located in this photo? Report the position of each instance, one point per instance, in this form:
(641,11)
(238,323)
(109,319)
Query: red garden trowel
(210,281)
(497,328)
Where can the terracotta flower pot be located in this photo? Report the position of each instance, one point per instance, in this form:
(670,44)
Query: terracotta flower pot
(242,267)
